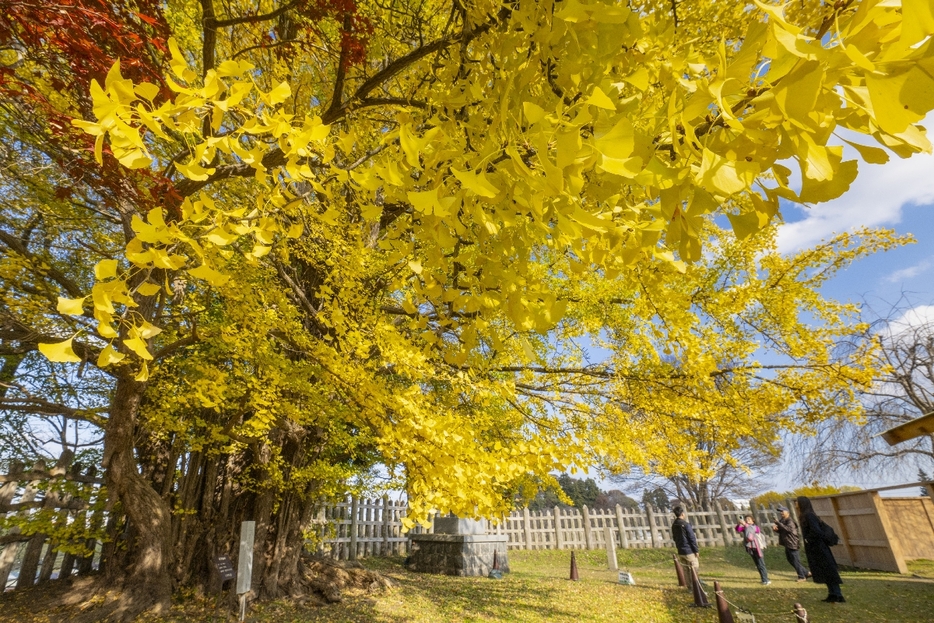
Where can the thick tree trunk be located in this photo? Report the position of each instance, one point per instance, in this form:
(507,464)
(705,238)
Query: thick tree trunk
(147,585)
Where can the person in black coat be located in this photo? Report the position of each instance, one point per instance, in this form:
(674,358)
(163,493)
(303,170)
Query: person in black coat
(820,558)
(787,530)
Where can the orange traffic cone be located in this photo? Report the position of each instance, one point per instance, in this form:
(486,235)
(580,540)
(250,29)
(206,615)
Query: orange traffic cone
(723,609)
(679,570)
(574,574)
(700,597)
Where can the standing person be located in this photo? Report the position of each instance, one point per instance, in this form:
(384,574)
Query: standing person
(754,546)
(816,535)
(683,535)
(787,531)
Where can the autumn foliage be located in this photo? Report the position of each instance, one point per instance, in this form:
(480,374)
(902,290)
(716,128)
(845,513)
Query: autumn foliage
(308,246)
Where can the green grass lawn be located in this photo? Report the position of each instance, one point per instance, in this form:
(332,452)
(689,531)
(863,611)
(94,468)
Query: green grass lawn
(538,590)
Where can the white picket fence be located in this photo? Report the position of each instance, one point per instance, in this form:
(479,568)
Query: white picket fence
(359,527)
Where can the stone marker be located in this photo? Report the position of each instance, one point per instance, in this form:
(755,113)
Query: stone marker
(458,547)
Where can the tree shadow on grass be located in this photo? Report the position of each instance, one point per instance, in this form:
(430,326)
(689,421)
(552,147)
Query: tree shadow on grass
(447,598)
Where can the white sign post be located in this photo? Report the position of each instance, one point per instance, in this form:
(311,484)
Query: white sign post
(610,539)
(245,564)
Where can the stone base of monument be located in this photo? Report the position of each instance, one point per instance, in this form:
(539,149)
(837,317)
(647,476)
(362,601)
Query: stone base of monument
(458,547)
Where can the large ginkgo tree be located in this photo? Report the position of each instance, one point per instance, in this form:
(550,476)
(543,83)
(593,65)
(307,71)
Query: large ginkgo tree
(340,234)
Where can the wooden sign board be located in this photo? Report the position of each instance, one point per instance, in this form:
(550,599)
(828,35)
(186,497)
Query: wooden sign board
(923,425)
(224,568)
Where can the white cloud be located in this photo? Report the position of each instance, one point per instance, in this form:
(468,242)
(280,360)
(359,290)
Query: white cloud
(920,316)
(876,198)
(910,271)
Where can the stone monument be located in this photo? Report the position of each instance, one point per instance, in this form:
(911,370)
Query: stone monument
(458,547)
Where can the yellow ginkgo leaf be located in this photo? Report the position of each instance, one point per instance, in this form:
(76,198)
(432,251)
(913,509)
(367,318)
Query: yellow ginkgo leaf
(105,330)
(72,307)
(210,275)
(143,373)
(600,99)
(109,356)
(138,346)
(295,230)
(148,289)
(105,269)
(60,352)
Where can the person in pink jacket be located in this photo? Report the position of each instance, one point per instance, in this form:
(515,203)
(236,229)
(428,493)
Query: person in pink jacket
(754,546)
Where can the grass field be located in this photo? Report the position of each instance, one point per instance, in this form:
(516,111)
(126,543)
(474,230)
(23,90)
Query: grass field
(538,590)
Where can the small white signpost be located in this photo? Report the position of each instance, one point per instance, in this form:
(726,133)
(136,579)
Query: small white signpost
(610,539)
(245,564)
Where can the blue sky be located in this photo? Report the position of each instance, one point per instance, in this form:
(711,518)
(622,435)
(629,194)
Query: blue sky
(898,195)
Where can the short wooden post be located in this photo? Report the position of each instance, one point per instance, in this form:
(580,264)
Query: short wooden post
(585,516)
(621,526)
(727,538)
(559,538)
(353,528)
(610,547)
(650,516)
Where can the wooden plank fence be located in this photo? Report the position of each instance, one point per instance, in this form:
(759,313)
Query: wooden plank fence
(37,507)
(362,527)
(880,533)
(356,528)
(570,528)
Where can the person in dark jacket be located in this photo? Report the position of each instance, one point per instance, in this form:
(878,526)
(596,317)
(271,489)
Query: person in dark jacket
(820,558)
(787,530)
(683,535)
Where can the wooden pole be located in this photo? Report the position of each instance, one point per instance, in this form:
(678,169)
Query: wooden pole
(724,528)
(585,514)
(353,528)
(610,547)
(527,527)
(575,576)
(31,557)
(386,525)
(650,515)
(8,554)
(559,540)
(621,526)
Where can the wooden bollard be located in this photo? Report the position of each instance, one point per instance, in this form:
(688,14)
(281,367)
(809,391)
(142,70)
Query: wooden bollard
(495,561)
(574,575)
(723,609)
(679,570)
(700,597)
(801,615)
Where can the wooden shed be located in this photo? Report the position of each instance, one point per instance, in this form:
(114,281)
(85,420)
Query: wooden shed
(880,532)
